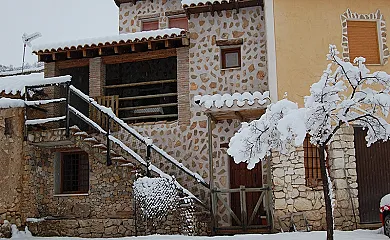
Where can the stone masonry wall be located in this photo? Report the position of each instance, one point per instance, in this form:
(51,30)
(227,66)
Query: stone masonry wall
(107,210)
(291,194)
(131,16)
(206,75)
(11,160)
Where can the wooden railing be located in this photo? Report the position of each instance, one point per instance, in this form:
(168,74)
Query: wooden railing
(243,222)
(101,118)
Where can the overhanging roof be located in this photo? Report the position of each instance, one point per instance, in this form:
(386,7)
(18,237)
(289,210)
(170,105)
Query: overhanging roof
(199,6)
(245,106)
(119,2)
(111,45)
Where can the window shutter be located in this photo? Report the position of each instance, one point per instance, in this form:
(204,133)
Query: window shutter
(363,41)
(181,22)
(147,26)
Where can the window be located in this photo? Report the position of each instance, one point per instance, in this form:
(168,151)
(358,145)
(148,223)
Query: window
(8,130)
(231,57)
(312,164)
(150,25)
(363,41)
(178,22)
(74,172)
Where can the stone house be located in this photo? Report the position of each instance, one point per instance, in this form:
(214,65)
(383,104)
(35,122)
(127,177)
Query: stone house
(169,55)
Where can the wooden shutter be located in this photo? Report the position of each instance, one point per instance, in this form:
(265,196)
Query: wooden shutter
(147,26)
(363,41)
(181,22)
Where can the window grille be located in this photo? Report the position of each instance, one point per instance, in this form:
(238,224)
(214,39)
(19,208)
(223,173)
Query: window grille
(75,172)
(312,164)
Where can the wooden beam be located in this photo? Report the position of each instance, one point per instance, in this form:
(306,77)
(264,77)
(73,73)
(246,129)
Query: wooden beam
(133,47)
(140,84)
(150,45)
(167,43)
(116,50)
(68,56)
(148,96)
(149,106)
(229,42)
(150,116)
(53,56)
(136,57)
(73,63)
(100,51)
(84,53)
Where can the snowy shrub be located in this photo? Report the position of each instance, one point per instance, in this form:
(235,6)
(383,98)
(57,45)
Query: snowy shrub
(155,197)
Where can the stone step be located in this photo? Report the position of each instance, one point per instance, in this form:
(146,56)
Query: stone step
(81,134)
(100,146)
(91,140)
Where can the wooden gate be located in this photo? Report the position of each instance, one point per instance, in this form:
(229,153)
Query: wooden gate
(241,176)
(373,175)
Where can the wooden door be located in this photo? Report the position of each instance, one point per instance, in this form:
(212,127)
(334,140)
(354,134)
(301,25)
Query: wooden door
(373,168)
(241,176)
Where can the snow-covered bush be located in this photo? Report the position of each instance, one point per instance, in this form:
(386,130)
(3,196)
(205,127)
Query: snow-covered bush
(345,94)
(155,197)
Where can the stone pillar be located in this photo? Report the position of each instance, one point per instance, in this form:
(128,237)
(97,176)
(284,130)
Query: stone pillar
(97,77)
(11,152)
(343,173)
(183,91)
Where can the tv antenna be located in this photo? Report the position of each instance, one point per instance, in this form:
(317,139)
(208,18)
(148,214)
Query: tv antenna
(27,39)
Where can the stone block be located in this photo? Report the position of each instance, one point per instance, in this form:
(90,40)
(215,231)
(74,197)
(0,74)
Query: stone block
(302,204)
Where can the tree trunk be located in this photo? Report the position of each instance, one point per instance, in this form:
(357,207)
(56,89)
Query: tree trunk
(328,203)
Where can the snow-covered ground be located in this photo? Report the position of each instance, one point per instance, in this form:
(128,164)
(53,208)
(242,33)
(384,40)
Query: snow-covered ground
(339,235)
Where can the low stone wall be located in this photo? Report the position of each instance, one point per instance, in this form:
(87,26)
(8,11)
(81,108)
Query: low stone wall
(292,195)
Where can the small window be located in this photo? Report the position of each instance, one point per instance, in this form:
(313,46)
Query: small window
(363,41)
(8,128)
(231,57)
(178,22)
(312,164)
(74,172)
(149,25)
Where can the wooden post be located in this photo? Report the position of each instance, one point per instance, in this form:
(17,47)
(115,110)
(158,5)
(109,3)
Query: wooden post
(211,175)
(244,217)
(67,109)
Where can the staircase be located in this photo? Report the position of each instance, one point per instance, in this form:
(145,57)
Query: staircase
(138,155)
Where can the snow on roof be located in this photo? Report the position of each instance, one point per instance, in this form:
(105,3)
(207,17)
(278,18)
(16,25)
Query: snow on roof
(102,41)
(230,100)
(19,71)
(11,103)
(194,3)
(16,84)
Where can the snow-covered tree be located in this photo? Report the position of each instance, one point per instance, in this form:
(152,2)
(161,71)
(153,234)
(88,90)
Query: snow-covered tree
(345,94)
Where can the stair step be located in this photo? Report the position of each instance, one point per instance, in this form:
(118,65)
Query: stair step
(112,153)
(101,146)
(81,134)
(122,159)
(74,128)
(91,140)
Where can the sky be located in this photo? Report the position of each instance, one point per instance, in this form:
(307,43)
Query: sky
(56,20)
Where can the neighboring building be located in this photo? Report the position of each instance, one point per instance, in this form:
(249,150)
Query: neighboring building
(170,57)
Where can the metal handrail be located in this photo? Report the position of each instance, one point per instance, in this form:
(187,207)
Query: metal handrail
(138,136)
